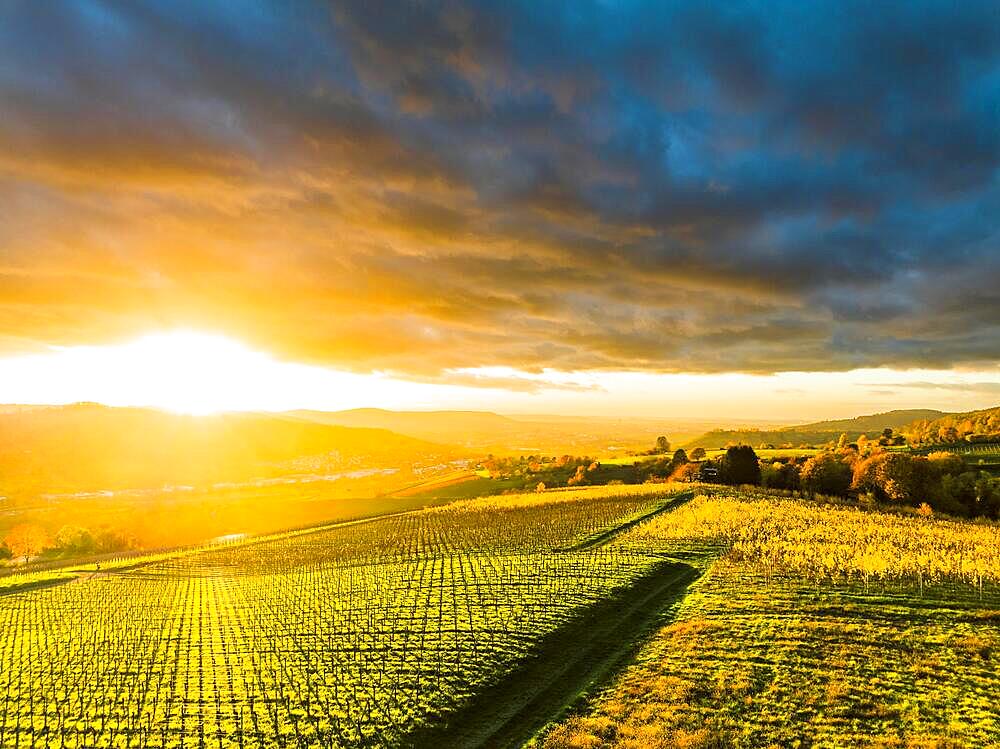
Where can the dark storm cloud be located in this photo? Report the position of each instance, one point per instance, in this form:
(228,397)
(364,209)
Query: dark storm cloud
(425,185)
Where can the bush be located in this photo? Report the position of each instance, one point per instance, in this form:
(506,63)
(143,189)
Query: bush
(824,474)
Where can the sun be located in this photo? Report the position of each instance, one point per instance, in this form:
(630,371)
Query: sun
(185,371)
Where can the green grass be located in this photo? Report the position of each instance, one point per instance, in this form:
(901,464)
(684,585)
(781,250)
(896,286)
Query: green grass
(751,662)
(478,487)
(628,460)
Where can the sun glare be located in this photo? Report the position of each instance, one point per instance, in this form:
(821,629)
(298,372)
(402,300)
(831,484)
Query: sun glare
(183,371)
(191,370)
(195,372)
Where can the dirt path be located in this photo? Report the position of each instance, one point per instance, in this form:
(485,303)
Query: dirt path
(568,664)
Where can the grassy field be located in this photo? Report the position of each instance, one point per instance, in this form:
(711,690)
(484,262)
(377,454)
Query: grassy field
(977,455)
(758,662)
(437,484)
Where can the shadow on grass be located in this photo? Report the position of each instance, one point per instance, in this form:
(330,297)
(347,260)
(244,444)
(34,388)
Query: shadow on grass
(574,661)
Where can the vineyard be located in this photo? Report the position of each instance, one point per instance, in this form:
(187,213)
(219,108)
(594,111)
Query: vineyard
(977,453)
(345,636)
(834,543)
(812,622)
(813,625)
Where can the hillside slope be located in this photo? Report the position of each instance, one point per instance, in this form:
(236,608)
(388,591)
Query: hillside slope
(818,432)
(984,423)
(548,434)
(90,447)
(874,422)
(434,426)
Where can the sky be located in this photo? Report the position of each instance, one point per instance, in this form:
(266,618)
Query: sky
(729,208)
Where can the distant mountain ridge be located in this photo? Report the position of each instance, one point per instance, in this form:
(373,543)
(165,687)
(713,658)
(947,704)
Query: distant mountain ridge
(818,432)
(429,425)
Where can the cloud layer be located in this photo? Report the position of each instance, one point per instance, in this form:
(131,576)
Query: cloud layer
(422,186)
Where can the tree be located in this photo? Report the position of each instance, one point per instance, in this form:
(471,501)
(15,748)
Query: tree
(740,465)
(824,474)
(26,541)
(842,441)
(957,494)
(685,472)
(947,435)
(680,457)
(107,539)
(698,453)
(897,477)
(72,539)
(987,496)
(662,445)
(946,463)
(780,475)
(579,478)
(887,433)
(5,552)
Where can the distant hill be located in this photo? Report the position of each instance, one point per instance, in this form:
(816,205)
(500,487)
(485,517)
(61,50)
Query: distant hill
(982,424)
(435,426)
(873,422)
(819,432)
(524,434)
(91,447)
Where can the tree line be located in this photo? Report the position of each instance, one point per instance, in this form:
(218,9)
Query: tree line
(940,481)
(28,541)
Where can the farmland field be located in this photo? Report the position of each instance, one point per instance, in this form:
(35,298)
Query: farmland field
(632,616)
(347,636)
(775,452)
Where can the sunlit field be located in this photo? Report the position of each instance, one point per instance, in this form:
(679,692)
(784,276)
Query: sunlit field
(354,635)
(815,624)
(474,623)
